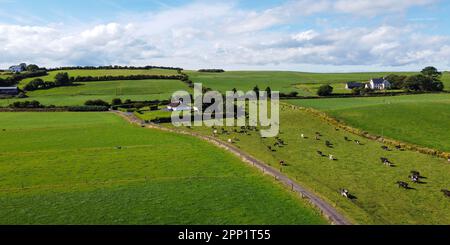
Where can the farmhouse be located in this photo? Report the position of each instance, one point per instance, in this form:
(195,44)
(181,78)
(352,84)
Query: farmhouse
(179,106)
(9,90)
(352,85)
(18,68)
(378,84)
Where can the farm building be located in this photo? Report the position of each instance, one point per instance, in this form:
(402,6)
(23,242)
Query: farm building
(9,90)
(18,68)
(378,84)
(352,85)
(179,106)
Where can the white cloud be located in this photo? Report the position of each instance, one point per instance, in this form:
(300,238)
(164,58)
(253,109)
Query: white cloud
(220,35)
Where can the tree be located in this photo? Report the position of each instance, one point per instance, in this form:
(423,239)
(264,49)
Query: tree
(431,72)
(325,90)
(32,68)
(62,79)
(116,101)
(397,81)
(423,83)
(34,85)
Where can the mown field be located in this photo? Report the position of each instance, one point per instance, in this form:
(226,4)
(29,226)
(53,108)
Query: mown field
(358,168)
(306,84)
(80,92)
(66,168)
(418,119)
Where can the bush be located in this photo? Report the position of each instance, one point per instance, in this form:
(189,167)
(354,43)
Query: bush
(116,101)
(325,90)
(26,104)
(87,108)
(96,103)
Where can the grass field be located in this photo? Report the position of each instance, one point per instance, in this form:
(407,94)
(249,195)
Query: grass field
(113,72)
(130,89)
(65,168)
(306,84)
(418,119)
(358,168)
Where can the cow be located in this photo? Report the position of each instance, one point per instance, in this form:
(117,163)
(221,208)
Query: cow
(402,184)
(345,193)
(446,192)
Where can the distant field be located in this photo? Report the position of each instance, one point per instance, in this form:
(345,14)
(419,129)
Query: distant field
(418,119)
(130,89)
(305,84)
(113,72)
(65,168)
(378,200)
(4,75)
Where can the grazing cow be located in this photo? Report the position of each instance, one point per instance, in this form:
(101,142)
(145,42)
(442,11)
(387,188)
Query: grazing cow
(358,142)
(320,153)
(415,173)
(282,163)
(414,178)
(402,184)
(317,137)
(346,138)
(303,136)
(230,141)
(385,148)
(385,161)
(345,193)
(331,157)
(446,192)
(398,147)
(119,147)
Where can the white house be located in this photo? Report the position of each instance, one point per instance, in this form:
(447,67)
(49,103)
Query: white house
(18,68)
(378,84)
(179,106)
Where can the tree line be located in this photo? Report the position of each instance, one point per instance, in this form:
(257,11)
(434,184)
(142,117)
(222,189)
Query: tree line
(428,80)
(212,70)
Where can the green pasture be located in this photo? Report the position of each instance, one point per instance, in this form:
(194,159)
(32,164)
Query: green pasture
(418,119)
(358,168)
(96,168)
(107,90)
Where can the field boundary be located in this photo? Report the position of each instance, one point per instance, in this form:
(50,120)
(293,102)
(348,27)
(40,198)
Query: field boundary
(328,211)
(391,142)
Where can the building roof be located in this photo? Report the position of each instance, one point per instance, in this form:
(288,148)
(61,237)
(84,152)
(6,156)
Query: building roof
(378,80)
(8,88)
(175,104)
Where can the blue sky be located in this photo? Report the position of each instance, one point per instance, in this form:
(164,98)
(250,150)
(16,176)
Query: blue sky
(304,35)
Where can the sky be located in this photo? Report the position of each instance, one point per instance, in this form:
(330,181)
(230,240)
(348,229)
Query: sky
(301,35)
